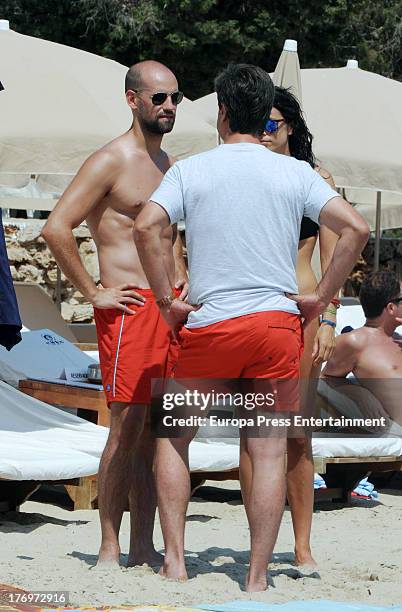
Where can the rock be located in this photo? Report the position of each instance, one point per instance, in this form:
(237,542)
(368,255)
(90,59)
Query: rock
(17,254)
(87,247)
(90,262)
(43,258)
(77,295)
(51,277)
(9,229)
(82,231)
(30,233)
(30,274)
(81,313)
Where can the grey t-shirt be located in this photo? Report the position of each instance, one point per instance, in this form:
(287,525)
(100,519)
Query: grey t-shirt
(242,205)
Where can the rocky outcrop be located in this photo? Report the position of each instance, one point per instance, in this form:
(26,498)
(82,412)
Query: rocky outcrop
(390,259)
(31,261)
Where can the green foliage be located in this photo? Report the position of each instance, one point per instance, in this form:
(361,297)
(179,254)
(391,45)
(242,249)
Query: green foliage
(197,38)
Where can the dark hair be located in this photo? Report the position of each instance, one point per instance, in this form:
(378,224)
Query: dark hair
(377,290)
(247,93)
(300,141)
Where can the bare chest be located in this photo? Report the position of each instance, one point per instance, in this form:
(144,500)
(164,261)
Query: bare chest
(132,188)
(381,361)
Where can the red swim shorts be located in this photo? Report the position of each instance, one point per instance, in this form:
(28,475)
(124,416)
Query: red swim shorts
(133,349)
(260,345)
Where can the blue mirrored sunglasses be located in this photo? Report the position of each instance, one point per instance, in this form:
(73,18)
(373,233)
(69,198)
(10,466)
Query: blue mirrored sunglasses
(272,125)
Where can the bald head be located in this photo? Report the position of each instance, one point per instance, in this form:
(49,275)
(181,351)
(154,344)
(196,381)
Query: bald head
(147,74)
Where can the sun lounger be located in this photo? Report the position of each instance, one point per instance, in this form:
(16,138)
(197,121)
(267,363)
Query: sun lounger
(351,314)
(40,443)
(342,461)
(38,311)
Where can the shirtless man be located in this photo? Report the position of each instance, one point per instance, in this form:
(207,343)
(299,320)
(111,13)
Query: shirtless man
(371,352)
(134,340)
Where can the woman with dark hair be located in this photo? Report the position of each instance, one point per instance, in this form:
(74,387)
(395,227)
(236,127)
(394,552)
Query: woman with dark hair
(287,133)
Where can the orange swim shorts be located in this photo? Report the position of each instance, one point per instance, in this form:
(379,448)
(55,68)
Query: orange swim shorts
(133,349)
(260,345)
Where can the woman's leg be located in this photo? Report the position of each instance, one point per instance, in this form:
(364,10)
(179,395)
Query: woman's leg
(300,466)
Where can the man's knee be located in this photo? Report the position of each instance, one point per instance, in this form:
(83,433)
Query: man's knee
(127,424)
(266,449)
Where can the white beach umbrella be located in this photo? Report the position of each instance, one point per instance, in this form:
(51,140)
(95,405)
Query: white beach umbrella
(287,71)
(59,104)
(358,139)
(356,121)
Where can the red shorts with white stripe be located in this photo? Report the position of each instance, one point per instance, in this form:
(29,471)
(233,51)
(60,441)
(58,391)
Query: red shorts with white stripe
(133,349)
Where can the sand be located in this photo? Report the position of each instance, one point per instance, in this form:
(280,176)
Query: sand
(358,548)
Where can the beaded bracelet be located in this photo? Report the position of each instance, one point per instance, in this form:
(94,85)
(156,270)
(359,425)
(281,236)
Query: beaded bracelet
(330,310)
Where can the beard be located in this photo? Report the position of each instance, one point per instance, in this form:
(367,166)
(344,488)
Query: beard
(158,126)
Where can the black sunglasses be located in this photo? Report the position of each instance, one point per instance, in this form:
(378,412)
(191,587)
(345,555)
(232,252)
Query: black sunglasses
(161,97)
(397,300)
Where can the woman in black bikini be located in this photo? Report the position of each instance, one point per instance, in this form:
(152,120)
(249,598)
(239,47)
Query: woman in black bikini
(287,133)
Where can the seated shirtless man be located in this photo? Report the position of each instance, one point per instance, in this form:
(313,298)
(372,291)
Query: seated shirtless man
(134,340)
(371,352)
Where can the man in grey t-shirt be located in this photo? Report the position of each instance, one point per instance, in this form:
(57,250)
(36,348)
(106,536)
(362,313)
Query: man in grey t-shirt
(243,206)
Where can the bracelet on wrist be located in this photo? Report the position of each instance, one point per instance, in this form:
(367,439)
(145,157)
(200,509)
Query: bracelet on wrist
(331,311)
(328,322)
(166,301)
(336,302)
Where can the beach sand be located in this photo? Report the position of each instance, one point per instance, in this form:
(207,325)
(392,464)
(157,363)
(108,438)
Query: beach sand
(358,548)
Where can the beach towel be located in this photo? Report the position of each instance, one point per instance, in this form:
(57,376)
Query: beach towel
(365,489)
(319,482)
(298,606)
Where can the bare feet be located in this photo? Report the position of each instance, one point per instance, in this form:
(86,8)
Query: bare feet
(151,558)
(174,570)
(109,556)
(256,584)
(305,559)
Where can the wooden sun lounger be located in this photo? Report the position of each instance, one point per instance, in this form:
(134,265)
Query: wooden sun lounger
(38,311)
(91,404)
(342,474)
(82,491)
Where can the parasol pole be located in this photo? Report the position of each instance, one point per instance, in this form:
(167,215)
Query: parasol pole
(377,232)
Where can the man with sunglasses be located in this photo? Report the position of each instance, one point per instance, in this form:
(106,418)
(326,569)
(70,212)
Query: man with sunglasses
(373,353)
(134,340)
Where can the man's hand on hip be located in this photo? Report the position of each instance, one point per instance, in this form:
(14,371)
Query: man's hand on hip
(310,306)
(183,285)
(117,297)
(176,314)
